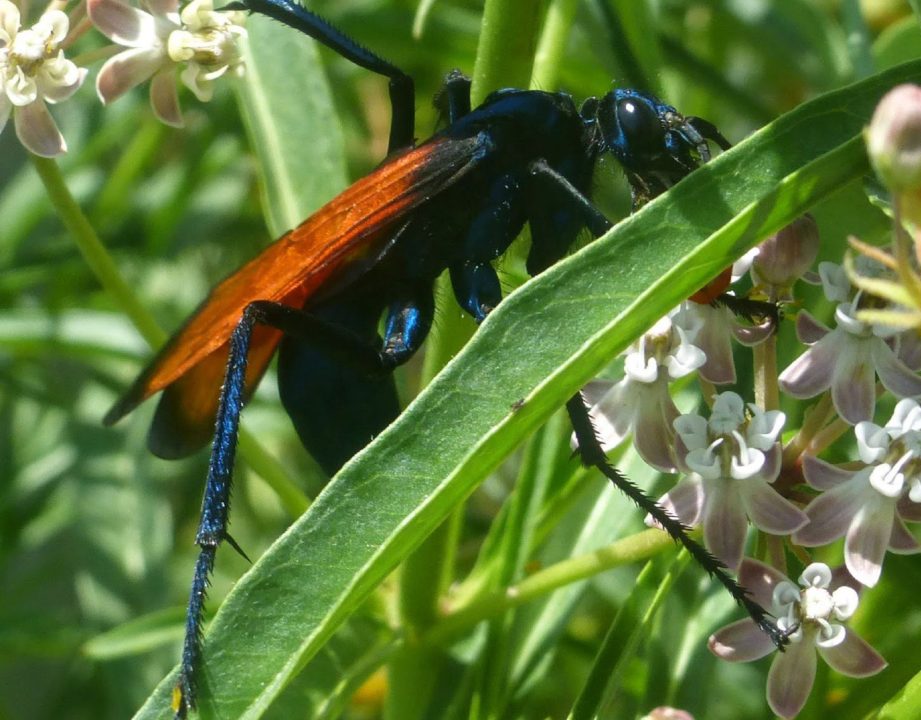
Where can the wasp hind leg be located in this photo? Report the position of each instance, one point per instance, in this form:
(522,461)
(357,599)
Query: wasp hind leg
(359,353)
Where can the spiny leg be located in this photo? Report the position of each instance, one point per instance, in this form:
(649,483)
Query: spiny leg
(592,455)
(590,449)
(406,331)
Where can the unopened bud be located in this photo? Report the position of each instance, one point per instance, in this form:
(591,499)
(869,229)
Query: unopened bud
(668,713)
(894,138)
(784,258)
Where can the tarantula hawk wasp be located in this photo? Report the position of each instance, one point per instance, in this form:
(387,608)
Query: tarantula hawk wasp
(317,295)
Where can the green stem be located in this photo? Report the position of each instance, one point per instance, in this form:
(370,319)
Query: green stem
(622,641)
(552,43)
(105,270)
(503,58)
(633,549)
(767,392)
(815,419)
(506,50)
(94,251)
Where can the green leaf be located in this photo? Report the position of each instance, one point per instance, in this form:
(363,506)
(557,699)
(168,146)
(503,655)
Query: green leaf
(299,144)
(906,705)
(138,635)
(539,347)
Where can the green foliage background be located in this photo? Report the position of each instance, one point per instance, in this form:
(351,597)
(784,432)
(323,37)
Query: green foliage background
(96,535)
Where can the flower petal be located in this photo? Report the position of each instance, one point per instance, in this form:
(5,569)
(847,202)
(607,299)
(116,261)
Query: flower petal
(685,501)
(164,99)
(811,372)
(760,580)
(769,511)
(854,657)
(831,513)
(36,130)
(853,384)
(741,641)
(823,475)
(725,526)
(124,24)
(895,376)
(162,7)
(909,510)
(751,335)
(613,415)
(910,349)
(122,72)
(790,679)
(902,541)
(808,329)
(866,542)
(653,436)
(715,340)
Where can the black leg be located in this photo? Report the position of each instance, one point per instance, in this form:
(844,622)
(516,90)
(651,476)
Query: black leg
(402,90)
(571,196)
(708,130)
(592,455)
(453,100)
(212,529)
(591,452)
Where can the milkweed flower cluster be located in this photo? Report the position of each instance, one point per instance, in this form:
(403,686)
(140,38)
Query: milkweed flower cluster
(640,404)
(869,505)
(159,39)
(813,612)
(33,72)
(849,358)
(731,459)
(734,471)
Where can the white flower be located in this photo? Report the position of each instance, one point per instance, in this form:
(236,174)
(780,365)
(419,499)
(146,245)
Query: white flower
(718,326)
(206,41)
(868,505)
(813,612)
(33,71)
(732,459)
(848,358)
(640,403)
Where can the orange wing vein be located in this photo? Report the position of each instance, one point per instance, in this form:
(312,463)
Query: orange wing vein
(289,271)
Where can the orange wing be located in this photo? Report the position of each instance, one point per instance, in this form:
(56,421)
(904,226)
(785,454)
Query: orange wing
(289,271)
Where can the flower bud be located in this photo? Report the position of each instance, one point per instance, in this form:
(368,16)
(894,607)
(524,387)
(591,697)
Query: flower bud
(784,258)
(894,138)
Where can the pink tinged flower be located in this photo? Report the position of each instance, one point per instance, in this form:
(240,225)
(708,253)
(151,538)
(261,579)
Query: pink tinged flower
(847,359)
(34,71)
(640,404)
(868,505)
(205,41)
(813,612)
(731,460)
(718,328)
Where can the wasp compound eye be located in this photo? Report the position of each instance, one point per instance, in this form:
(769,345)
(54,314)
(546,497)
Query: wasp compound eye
(639,123)
(631,125)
